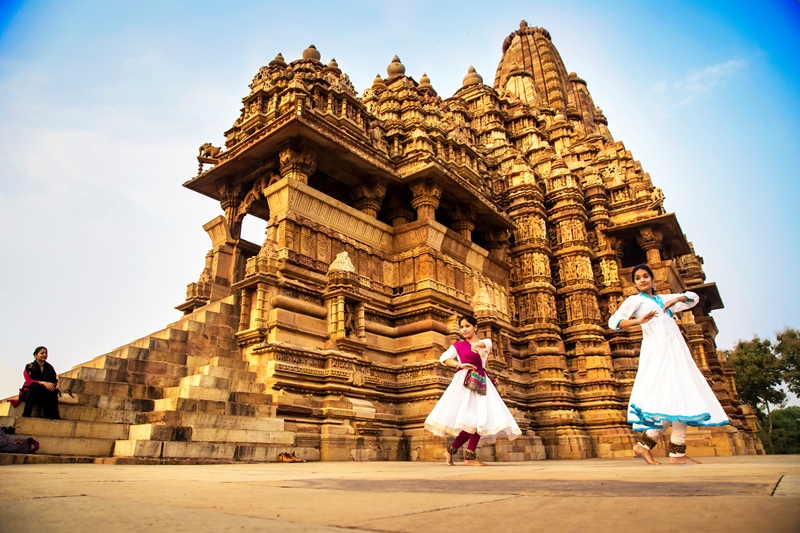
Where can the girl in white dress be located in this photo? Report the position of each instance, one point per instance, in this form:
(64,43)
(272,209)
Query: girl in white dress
(470,413)
(669,388)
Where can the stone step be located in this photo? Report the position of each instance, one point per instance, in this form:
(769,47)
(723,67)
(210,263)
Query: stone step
(159,432)
(84,413)
(204,380)
(151,343)
(113,389)
(134,378)
(172,334)
(259,398)
(230,362)
(201,434)
(226,373)
(8,410)
(93,414)
(201,380)
(167,405)
(116,402)
(227,359)
(138,448)
(39,458)
(201,419)
(197,393)
(70,428)
(166,450)
(148,347)
(58,445)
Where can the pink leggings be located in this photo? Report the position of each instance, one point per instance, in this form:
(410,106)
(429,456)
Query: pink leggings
(463,437)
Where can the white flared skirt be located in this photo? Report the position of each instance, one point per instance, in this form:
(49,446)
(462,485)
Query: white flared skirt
(462,409)
(670,388)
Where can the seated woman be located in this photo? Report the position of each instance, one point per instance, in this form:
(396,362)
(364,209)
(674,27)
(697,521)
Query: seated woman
(40,386)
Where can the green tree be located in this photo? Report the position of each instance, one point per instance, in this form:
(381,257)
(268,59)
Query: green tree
(759,376)
(788,350)
(786,435)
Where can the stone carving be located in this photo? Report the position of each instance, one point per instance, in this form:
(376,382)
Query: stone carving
(209,151)
(376,136)
(342,263)
(657,200)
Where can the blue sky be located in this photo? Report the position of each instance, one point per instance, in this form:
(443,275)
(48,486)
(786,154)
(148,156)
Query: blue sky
(103,106)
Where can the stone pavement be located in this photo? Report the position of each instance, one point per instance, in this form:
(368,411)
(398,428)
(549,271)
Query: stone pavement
(742,493)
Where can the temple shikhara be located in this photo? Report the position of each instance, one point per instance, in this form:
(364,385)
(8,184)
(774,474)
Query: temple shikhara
(388,214)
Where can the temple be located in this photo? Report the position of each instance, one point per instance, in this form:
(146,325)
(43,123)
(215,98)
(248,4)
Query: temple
(386,216)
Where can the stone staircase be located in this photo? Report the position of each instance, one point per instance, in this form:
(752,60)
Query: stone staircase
(180,395)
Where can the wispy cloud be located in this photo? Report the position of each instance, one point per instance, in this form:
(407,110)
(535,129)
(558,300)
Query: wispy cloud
(695,85)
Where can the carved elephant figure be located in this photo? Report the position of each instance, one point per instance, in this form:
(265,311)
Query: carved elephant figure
(207,150)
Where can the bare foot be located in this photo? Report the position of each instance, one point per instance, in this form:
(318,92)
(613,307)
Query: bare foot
(473,462)
(448,457)
(685,460)
(645,454)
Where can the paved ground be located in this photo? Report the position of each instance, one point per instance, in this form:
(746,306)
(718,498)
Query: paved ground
(724,494)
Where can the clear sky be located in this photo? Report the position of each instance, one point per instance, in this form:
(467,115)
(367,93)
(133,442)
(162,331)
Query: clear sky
(103,105)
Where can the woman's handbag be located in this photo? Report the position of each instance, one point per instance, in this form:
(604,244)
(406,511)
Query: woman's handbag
(473,380)
(67,398)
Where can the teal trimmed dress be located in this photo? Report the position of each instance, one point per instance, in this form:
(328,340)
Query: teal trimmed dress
(668,387)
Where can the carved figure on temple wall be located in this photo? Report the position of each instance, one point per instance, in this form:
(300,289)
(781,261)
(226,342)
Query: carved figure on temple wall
(592,238)
(609,268)
(620,195)
(526,265)
(207,150)
(563,232)
(349,320)
(561,311)
(583,267)
(520,234)
(552,311)
(540,265)
(598,273)
(603,310)
(461,130)
(376,136)
(657,200)
(552,235)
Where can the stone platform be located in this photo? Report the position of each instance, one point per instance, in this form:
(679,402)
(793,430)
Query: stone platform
(741,493)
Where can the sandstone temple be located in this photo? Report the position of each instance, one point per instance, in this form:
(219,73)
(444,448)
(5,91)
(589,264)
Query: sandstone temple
(387,214)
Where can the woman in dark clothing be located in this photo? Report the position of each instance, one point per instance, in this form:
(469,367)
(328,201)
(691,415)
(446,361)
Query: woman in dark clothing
(40,386)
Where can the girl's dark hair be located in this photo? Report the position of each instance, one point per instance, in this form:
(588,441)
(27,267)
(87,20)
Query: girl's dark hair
(646,269)
(470,319)
(38,349)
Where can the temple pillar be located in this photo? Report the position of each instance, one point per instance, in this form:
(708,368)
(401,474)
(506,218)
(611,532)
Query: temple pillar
(426,198)
(297,163)
(231,200)
(368,197)
(398,212)
(650,240)
(496,243)
(464,221)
